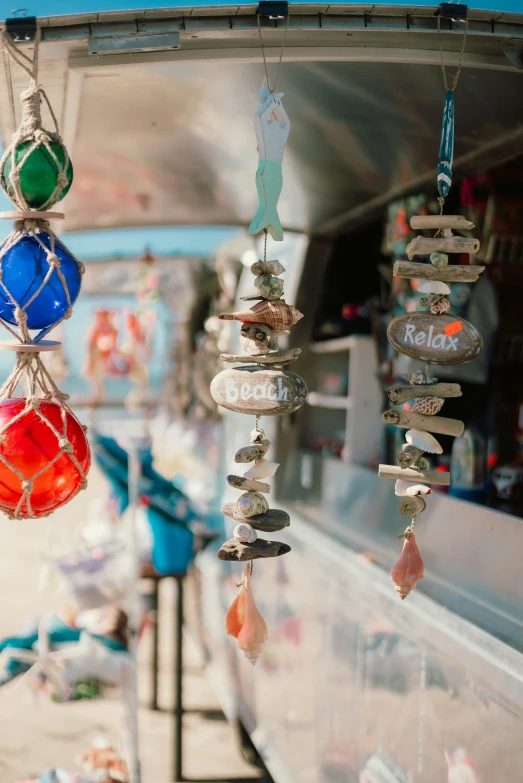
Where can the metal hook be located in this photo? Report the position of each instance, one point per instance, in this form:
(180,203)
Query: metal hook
(22,11)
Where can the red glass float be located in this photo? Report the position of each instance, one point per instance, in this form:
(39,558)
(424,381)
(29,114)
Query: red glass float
(48,468)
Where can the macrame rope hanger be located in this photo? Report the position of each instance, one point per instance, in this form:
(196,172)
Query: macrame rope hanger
(29,368)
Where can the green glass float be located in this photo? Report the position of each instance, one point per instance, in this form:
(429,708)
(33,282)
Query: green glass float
(38,173)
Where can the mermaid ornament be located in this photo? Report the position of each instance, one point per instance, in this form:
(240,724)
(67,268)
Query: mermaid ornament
(272,128)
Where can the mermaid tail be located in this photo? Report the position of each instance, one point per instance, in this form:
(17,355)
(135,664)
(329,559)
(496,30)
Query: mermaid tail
(269,183)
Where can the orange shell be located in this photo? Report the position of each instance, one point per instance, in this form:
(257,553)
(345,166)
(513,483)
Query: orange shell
(253,633)
(409,568)
(236,614)
(277,314)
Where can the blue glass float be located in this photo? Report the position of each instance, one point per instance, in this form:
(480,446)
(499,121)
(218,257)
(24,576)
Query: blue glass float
(24,267)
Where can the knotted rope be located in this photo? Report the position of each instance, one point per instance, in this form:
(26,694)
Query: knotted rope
(31,130)
(40,386)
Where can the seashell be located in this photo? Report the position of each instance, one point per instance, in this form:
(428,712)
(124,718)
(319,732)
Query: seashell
(261,469)
(434,287)
(267,267)
(410,488)
(253,633)
(420,378)
(279,315)
(424,441)
(428,405)
(257,435)
(251,503)
(257,338)
(245,533)
(409,568)
(439,259)
(269,287)
(235,616)
(421,463)
(440,306)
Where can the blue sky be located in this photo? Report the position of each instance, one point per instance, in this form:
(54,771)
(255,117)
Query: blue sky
(55,7)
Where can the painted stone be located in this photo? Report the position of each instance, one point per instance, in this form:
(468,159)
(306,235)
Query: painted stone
(259,390)
(443,339)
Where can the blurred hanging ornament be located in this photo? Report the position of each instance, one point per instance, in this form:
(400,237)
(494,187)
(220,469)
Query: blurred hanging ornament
(409,568)
(39,278)
(35,170)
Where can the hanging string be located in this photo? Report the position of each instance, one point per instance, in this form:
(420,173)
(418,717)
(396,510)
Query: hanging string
(31,129)
(281,53)
(460,61)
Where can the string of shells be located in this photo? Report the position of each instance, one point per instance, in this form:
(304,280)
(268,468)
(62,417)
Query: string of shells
(431,335)
(260,386)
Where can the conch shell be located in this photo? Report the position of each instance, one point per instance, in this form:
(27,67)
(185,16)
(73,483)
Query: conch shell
(278,315)
(244,621)
(261,469)
(424,441)
(409,568)
(251,503)
(410,488)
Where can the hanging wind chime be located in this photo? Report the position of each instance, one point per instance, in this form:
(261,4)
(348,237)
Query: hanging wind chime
(44,453)
(261,385)
(433,336)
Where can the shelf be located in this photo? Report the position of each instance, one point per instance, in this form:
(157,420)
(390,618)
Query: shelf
(318,400)
(339,345)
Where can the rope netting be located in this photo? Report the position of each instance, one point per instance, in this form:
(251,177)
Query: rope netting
(40,387)
(32,132)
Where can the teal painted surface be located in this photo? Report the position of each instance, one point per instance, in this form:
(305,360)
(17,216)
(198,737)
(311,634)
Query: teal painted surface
(446,150)
(269,182)
(55,7)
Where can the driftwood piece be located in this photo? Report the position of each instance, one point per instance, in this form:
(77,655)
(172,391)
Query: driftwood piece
(400,394)
(447,274)
(435,339)
(276,357)
(417,421)
(270,521)
(259,391)
(421,222)
(239,552)
(421,246)
(252,453)
(246,484)
(423,476)
(408,456)
(410,506)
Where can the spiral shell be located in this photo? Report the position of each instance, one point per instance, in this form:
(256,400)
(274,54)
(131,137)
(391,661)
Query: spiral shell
(424,441)
(440,306)
(251,503)
(261,469)
(434,287)
(409,569)
(278,315)
(245,533)
(428,405)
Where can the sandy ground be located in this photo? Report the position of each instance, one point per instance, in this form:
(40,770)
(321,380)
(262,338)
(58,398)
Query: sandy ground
(37,734)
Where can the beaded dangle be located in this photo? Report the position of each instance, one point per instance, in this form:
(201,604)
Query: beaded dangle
(44,453)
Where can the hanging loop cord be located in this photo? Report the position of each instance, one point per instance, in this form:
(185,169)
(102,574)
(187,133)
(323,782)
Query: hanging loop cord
(31,129)
(273,89)
(441,200)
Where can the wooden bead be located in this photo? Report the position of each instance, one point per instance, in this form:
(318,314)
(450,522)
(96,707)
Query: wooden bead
(237,551)
(410,506)
(443,339)
(259,391)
